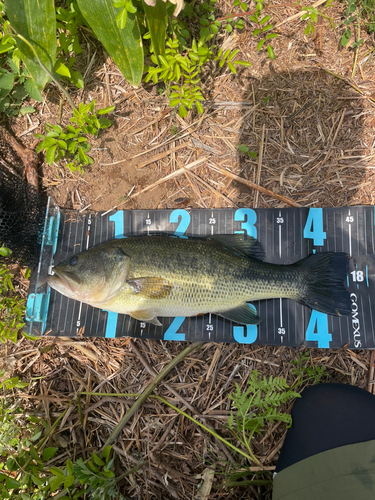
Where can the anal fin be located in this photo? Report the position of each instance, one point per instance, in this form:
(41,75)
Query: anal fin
(245,315)
(146,315)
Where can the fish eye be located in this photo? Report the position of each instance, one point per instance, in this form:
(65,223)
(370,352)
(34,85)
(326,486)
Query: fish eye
(73,261)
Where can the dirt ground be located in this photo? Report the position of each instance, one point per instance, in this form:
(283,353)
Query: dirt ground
(313,126)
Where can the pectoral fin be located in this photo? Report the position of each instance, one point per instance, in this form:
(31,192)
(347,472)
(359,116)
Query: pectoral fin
(150,287)
(146,315)
(245,315)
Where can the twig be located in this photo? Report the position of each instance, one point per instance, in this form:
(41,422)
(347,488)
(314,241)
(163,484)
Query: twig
(252,185)
(115,433)
(208,186)
(260,159)
(160,181)
(299,14)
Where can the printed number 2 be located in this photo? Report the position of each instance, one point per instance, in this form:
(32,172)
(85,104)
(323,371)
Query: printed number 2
(317,329)
(183,222)
(314,227)
(171,333)
(110,328)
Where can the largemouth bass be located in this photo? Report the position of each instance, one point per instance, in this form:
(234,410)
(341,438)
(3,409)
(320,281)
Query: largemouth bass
(151,276)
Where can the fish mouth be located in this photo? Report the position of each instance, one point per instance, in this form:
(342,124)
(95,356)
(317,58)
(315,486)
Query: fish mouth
(63,281)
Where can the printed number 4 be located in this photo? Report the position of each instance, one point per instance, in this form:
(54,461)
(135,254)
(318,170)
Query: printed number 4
(314,227)
(317,329)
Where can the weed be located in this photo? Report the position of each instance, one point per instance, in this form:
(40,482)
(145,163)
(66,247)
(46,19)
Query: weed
(68,21)
(242,148)
(258,406)
(72,142)
(15,84)
(24,470)
(12,308)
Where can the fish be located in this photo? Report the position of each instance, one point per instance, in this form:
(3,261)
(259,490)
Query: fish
(154,276)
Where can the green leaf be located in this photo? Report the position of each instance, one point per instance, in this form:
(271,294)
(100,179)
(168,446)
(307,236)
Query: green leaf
(346,37)
(33,92)
(271,35)
(57,472)
(271,53)
(27,109)
(232,68)
(6,83)
(199,107)
(69,481)
(56,482)
(11,484)
(35,20)
(61,69)
(256,31)
(242,63)
(50,154)
(104,111)
(156,18)
(124,46)
(48,453)
(229,28)
(182,111)
(260,44)
(242,148)
(121,18)
(265,19)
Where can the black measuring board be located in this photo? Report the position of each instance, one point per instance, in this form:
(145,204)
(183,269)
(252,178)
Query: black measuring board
(286,235)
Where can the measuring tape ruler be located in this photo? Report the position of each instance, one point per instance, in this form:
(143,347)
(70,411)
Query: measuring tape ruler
(286,235)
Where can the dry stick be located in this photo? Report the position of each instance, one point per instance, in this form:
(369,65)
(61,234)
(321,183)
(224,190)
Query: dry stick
(353,86)
(117,430)
(252,185)
(260,159)
(335,136)
(177,137)
(160,181)
(215,191)
(193,410)
(299,14)
(163,155)
(154,158)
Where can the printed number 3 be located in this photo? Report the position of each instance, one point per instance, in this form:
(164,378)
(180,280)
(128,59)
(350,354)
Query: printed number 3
(248,217)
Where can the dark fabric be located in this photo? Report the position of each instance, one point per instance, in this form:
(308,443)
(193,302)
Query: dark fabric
(344,473)
(327,416)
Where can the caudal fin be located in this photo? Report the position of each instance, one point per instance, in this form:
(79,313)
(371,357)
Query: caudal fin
(325,274)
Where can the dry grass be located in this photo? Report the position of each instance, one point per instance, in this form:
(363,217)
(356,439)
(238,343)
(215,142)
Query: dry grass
(314,135)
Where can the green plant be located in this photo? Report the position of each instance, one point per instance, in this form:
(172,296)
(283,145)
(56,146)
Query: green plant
(305,371)
(12,307)
(350,18)
(263,29)
(24,470)
(257,406)
(68,21)
(242,148)
(72,142)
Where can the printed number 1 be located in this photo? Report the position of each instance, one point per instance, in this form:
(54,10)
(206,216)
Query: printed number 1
(110,328)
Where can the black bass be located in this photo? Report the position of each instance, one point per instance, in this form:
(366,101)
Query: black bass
(151,276)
